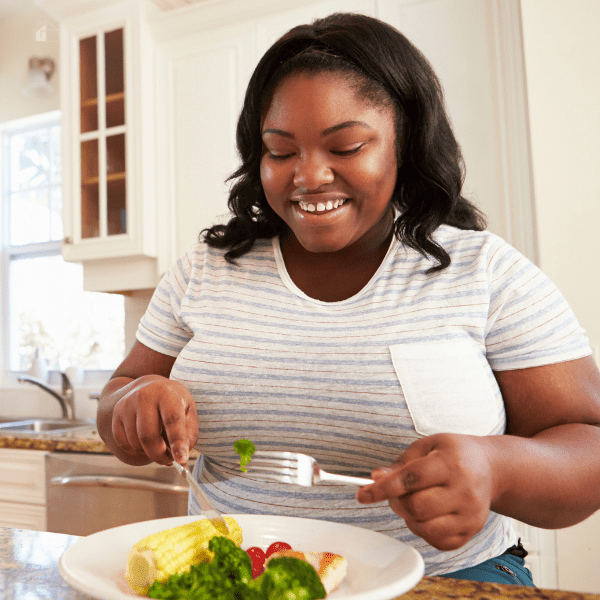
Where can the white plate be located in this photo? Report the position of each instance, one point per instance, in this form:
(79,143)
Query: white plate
(379,567)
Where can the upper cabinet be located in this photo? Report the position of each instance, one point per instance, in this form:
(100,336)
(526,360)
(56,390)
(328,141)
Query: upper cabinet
(102,137)
(107,99)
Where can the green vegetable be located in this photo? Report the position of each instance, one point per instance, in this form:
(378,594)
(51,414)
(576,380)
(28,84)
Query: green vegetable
(201,582)
(245,448)
(229,577)
(232,562)
(288,578)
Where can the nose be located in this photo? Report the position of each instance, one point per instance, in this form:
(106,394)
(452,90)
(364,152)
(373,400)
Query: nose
(312,172)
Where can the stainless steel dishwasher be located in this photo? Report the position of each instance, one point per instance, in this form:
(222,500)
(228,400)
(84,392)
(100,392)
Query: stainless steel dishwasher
(88,492)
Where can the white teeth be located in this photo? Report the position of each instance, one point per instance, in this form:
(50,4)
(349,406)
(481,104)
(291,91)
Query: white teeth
(320,207)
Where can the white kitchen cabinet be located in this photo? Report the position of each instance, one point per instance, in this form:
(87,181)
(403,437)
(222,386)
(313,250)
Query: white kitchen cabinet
(22,489)
(107,99)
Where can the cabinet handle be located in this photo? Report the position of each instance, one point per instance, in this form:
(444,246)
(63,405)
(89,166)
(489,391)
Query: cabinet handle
(68,240)
(131,483)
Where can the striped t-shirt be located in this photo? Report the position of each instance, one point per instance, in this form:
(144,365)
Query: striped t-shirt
(354,383)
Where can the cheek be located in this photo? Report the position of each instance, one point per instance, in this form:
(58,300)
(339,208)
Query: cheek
(377,174)
(271,177)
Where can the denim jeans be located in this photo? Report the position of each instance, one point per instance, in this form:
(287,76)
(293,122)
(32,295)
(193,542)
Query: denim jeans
(507,568)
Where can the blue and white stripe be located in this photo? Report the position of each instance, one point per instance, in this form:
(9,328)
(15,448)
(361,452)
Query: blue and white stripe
(267,363)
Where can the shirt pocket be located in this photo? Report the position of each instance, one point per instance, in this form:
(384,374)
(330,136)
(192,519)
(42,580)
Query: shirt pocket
(446,388)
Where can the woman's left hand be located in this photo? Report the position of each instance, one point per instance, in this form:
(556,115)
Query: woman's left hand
(441,486)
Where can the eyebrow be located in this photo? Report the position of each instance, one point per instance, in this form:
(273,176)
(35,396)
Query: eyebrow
(328,131)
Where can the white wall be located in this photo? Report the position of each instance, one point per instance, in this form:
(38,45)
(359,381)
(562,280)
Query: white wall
(17,45)
(562,57)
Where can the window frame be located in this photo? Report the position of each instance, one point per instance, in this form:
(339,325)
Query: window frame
(94,380)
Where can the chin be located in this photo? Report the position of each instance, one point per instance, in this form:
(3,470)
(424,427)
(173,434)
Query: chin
(322,246)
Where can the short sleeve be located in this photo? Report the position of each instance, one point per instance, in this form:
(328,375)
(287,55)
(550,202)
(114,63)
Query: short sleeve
(162,327)
(529,322)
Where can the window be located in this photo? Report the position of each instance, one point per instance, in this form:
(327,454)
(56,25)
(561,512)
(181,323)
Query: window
(43,302)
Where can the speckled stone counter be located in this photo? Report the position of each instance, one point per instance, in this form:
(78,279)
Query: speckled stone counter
(87,440)
(29,565)
(75,441)
(442,588)
(29,569)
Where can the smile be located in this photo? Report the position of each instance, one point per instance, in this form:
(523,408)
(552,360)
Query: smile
(321,206)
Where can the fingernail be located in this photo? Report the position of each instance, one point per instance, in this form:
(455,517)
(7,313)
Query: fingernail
(364,497)
(181,455)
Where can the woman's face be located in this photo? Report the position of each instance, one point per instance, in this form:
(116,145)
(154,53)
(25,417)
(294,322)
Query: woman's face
(329,162)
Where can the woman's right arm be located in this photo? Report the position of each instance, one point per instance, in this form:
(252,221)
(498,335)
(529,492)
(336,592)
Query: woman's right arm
(140,403)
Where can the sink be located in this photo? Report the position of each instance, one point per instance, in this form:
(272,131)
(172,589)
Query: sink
(45,426)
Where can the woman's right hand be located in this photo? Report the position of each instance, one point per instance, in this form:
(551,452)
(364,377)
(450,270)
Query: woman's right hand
(153,410)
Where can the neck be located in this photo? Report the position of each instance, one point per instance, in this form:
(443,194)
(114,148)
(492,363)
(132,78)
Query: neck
(336,276)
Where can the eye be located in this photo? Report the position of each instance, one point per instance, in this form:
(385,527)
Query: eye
(280,156)
(347,152)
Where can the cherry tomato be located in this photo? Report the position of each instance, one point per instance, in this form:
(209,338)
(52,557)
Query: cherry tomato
(276,546)
(256,570)
(258,556)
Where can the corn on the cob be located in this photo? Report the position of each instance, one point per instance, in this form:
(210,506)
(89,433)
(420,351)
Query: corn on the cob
(161,554)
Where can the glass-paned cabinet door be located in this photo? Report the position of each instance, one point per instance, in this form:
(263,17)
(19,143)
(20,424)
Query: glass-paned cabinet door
(103,135)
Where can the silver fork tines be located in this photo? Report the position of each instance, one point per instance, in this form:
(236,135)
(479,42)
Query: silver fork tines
(299,469)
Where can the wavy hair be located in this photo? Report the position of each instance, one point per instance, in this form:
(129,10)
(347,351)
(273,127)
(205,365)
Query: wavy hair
(387,70)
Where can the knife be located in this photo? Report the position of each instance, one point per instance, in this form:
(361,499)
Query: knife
(208,510)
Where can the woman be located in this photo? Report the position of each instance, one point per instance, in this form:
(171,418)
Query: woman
(354,309)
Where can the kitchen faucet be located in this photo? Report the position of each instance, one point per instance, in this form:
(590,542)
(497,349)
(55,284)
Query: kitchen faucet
(65,399)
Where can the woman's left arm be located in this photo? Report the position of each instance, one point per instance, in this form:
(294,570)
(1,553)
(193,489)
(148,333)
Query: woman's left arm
(545,473)
(553,479)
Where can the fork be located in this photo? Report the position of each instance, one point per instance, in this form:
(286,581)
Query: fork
(291,467)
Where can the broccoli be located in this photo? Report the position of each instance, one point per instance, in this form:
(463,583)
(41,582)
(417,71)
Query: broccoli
(288,578)
(245,448)
(202,582)
(229,577)
(230,561)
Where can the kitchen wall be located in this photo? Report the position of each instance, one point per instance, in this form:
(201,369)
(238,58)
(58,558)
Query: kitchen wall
(21,38)
(562,58)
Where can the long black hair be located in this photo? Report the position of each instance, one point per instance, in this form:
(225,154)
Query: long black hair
(387,69)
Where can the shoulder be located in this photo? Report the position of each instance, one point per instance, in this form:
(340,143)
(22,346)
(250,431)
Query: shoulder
(202,257)
(467,241)
(487,250)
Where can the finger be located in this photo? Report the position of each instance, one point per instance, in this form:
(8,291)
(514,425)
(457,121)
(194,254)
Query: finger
(446,532)
(191,423)
(418,449)
(415,475)
(125,432)
(429,503)
(174,418)
(120,436)
(149,429)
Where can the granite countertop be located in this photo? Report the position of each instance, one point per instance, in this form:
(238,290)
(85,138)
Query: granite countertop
(86,440)
(29,569)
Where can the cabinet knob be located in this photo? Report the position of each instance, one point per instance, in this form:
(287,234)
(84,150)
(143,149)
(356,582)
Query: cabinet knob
(68,240)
